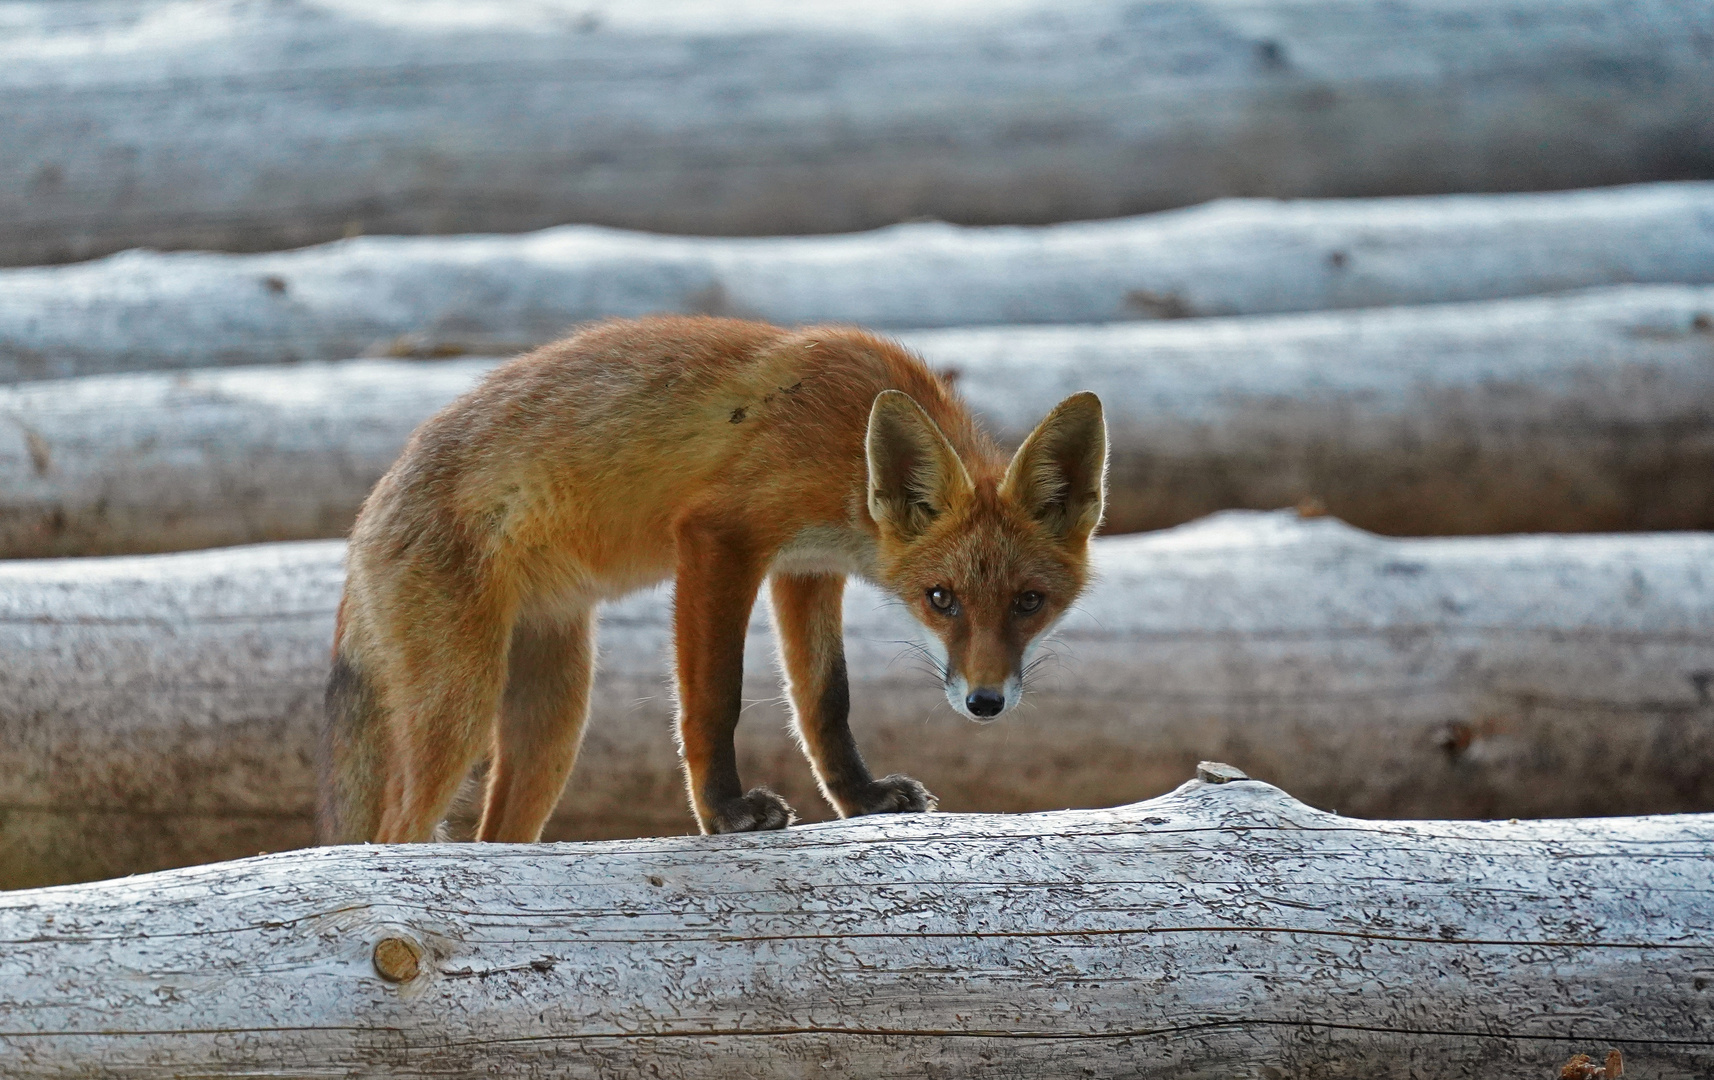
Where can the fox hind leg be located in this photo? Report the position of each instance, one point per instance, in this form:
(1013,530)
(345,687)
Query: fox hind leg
(542,716)
(440,739)
(443,696)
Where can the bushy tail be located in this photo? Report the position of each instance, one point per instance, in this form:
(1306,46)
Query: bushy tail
(352,762)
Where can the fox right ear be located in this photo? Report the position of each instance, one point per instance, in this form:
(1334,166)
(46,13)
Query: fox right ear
(1059,474)
(914,473)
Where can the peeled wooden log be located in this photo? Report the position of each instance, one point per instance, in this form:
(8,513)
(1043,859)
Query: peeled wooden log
(162,710)
(1222,930)
(1571,413)
(162,462)
(1574,413)
(437,296)
(250,127)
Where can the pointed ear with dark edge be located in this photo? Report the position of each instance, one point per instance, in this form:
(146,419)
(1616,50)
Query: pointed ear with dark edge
(914,473)
(1059,475)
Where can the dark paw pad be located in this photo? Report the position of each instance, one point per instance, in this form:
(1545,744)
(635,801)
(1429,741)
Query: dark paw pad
(758,811)
(895,794)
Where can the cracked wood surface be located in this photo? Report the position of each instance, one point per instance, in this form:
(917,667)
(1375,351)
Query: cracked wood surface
(435,296)
(1223,930)
(136,124)
(160,711)
(1590,411)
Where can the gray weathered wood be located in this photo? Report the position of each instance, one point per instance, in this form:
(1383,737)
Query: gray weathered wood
(162,710)
(1224,930)
(1580,412)
(1591,411)
(432,296)
(154,462)
(242,126)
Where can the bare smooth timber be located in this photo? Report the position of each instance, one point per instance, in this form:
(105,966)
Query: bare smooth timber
(1591,411)
(136,125)
(160,711)
(431,297)
(727,457)
(1224,930)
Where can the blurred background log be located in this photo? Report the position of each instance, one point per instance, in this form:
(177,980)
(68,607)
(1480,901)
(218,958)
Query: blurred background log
(440,296)
(137,124)
(159,711)
(1224,930)
(1574,413)
(1580,412)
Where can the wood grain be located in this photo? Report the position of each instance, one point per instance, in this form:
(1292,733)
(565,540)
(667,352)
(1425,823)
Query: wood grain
(1223,930)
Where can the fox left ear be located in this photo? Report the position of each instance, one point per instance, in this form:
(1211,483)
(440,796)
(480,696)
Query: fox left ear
(1059,475)
(914,473)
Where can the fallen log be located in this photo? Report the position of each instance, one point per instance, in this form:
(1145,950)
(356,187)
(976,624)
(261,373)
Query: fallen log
(164,462)
(138,124)
(1575,413)
(438,296)
(1222,930)
(162,710)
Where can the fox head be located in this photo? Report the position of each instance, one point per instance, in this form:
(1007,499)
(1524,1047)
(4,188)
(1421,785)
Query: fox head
(986,561)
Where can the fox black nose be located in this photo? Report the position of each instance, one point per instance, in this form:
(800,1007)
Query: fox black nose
(985,702)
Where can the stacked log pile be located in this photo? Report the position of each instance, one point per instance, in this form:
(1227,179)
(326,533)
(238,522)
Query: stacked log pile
(1418,363)
(1223,930)
(163,710)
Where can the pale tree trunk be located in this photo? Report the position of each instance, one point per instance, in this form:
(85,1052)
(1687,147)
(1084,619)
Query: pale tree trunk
(437,296)
(1223,930)
(1592,411)
(160,711)
(243,126)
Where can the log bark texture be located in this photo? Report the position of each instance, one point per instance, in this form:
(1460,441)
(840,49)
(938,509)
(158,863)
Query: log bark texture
(235,126)
(1574,413)
(159,711)
(437,296)
(1224,930)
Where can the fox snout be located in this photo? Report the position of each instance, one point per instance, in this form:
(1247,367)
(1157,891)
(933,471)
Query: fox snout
(981,683)
(984,703)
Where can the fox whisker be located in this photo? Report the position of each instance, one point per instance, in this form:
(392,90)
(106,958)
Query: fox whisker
(920,652)
(1082,610)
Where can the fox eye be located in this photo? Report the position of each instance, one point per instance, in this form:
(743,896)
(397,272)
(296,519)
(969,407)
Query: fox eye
(942,600)
(1027,603)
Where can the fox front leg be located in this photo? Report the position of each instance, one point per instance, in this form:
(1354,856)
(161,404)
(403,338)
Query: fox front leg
(718,578)
(810,626)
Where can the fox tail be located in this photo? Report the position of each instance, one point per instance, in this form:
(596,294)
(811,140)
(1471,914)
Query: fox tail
(353,756)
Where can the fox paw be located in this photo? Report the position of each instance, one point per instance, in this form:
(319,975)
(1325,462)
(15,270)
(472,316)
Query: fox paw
(758,811)
(895,794)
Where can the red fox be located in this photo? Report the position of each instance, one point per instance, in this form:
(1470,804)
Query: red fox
(721,453)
